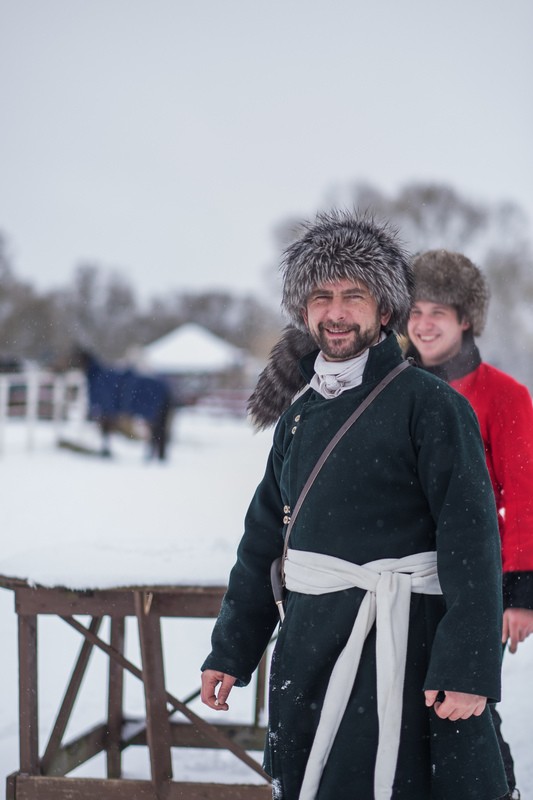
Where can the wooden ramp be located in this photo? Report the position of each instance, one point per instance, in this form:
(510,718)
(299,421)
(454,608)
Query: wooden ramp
(46,776)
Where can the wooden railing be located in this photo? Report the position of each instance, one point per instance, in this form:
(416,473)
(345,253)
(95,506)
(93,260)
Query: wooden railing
(45,774)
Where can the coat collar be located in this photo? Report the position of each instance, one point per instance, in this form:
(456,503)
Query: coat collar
(467,360)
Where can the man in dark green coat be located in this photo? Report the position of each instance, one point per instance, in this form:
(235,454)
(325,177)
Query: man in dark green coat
(390,646)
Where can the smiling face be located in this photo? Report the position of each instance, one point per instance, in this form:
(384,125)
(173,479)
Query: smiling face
(343,318)
(436,331)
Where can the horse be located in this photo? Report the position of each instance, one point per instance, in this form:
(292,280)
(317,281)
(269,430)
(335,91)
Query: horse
(118,397)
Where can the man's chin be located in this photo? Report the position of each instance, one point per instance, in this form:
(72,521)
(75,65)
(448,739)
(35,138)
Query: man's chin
(340,352)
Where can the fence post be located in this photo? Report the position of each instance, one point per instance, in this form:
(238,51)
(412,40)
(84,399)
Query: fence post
(59,389)
(32,405)
(4,390)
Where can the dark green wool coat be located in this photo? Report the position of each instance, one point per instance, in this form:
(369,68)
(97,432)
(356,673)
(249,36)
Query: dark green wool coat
(408,477)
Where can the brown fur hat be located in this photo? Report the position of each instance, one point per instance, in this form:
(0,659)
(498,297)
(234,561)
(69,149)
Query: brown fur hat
(453,280)
(340,245)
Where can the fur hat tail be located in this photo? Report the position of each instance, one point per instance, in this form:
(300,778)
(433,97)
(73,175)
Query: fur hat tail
(453,280)
(281,379)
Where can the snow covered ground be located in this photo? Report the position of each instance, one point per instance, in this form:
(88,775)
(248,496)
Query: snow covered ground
(137,522)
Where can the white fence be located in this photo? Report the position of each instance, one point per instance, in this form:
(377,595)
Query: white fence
(38,395)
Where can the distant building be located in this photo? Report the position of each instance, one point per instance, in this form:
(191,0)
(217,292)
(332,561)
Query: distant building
(197,364)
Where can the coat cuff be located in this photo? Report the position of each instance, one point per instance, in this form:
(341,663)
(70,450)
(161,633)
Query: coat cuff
(518,590)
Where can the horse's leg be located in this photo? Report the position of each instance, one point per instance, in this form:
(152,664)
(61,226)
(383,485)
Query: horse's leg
(159,434)
(106,426)
(151,441)
(157,448)
(151,444)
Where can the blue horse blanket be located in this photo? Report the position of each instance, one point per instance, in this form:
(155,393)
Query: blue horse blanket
(114,392)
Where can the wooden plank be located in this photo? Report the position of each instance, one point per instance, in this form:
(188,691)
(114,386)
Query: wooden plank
(12,583)
(182,601)
(41,600)
(10,786)
(183,734)
(28,698)
(157,725)
(115,698)
(48,788)
(246,736)
(67,705)
(203,603)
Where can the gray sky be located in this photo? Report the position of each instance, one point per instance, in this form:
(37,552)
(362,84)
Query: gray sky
(166,138)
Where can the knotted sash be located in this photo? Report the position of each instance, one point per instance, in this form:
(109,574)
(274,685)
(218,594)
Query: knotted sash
(388,584)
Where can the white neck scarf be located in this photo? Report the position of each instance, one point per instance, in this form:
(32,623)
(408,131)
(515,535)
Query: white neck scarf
(331,378)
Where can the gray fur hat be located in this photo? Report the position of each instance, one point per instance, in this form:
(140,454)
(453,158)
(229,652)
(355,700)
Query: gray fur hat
(336,246)
(453,280)
(340,245)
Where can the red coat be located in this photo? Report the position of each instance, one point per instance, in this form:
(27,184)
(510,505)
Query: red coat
(505,413)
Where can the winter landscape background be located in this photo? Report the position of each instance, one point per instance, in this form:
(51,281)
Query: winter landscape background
(87,522)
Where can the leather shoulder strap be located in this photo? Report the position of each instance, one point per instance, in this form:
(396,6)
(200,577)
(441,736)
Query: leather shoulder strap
(333,443)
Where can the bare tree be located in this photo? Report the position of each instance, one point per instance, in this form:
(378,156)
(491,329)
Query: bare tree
(100,311)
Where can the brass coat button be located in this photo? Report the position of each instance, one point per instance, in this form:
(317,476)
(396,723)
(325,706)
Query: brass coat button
(297,418)
(286,520)
(294,429)
(286,509)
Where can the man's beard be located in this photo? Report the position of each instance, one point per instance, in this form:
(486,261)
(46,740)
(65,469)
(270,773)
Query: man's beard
(349,347)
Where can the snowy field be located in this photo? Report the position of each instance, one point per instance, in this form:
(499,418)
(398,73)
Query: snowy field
(82,521)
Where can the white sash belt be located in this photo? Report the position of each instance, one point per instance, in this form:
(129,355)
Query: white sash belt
(388,583)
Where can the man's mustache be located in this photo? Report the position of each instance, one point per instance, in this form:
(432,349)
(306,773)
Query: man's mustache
(335,327)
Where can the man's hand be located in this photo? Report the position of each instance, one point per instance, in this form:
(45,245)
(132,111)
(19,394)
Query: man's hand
(517,625)
(210,680)
(456,705)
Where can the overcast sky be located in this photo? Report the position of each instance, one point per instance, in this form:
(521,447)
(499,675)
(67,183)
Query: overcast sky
(166,138)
